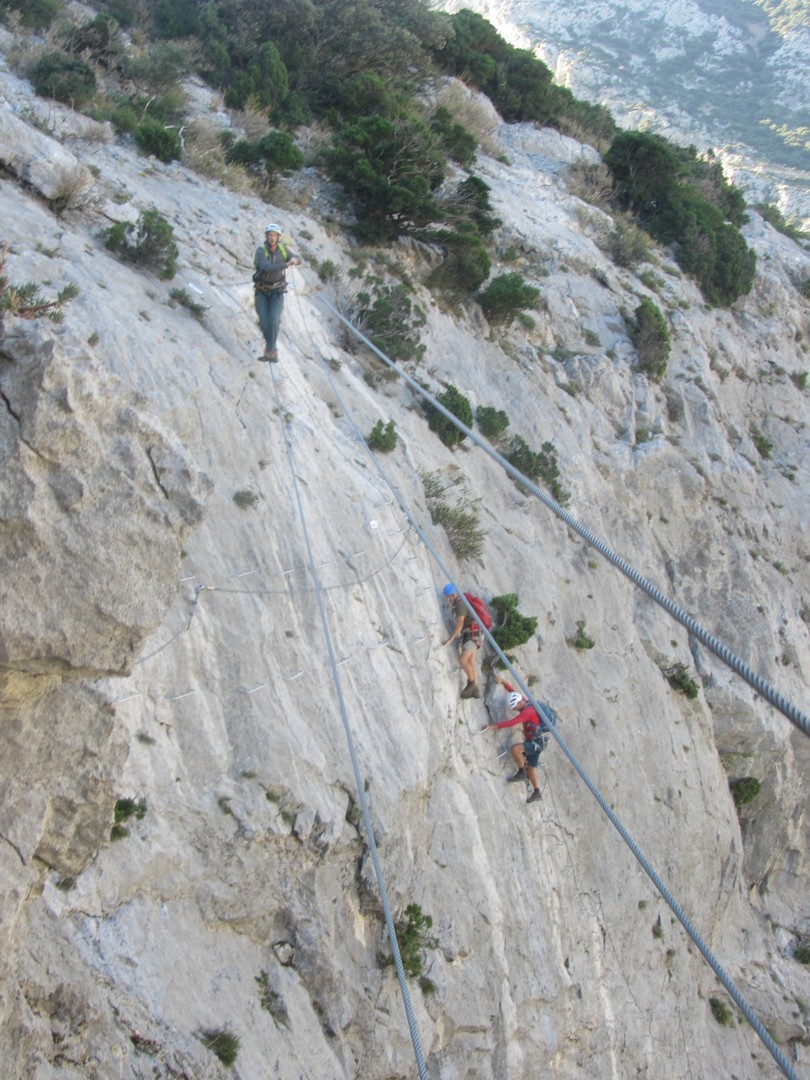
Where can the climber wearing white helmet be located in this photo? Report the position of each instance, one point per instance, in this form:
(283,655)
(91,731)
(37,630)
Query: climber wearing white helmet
(270,284)
(526,753)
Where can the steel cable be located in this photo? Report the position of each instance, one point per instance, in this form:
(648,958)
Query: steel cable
(794,714)
(389,921)
(543,711)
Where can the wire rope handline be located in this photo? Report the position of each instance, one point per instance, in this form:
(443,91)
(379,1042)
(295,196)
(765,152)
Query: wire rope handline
(639,855)
(764,688)
(389,921)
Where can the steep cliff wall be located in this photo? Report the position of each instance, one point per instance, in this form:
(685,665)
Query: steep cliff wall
(163,643)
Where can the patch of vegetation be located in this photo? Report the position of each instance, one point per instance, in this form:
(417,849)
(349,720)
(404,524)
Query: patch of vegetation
(505,297)
(628,244)
(392,166)
(24,302)
(649,333)
(98,41)
(125,809)
(221,1042)
(34,14)
(802,953)
(581,639)
(329,272)
(653,281)
(153,137)
(721,1012)
(382,437)
(181,296)
(799,379)
(272,1001)
(462,523)
(538,465)
(64,78)
(773,215)
(744,790)
(466,260)
(519,85)
(459,143)
(591,183)
(456,403)
(679,679)
(762,443)
(492,422)
(354,813)
(658,929)
(682,199)
(389,319)
(511,628)
(267,157)
(244,498)
(413,939)
(148,243)
(461,520)
(74,192)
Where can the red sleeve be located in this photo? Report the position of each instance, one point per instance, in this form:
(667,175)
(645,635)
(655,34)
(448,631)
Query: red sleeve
(511,723)
(508,687)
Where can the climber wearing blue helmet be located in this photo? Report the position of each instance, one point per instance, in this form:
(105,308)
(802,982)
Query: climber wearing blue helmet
(468,630)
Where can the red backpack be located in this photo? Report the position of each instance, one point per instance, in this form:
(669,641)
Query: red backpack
(481,610)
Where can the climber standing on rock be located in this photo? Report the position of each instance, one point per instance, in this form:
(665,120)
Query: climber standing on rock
(270,283)
(468,630)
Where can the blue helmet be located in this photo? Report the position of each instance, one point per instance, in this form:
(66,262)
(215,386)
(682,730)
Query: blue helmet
(449,590)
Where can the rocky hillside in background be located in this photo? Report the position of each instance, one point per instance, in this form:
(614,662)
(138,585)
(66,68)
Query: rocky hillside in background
(164,500)
(728,76)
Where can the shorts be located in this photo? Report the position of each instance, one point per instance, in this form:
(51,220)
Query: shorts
(470,642)
(531,754)
(532,751)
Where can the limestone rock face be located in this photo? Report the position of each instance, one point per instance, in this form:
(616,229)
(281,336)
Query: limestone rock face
(254,674)
(96,501)
(37,160)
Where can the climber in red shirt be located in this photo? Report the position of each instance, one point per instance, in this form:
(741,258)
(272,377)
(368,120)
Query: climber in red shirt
(527,752)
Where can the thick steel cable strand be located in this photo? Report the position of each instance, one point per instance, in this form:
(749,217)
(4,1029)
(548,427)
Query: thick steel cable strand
(389,921)
(764,688)
(542,710)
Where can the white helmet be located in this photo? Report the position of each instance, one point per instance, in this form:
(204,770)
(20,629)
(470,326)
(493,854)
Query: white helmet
(515,699)
(273,227)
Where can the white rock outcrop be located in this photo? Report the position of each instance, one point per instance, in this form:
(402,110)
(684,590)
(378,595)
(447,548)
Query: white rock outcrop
(166,499)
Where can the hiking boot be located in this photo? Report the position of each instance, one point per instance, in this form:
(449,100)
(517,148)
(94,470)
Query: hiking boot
(471,690)
(519,775)
(535,796)
(271,356)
